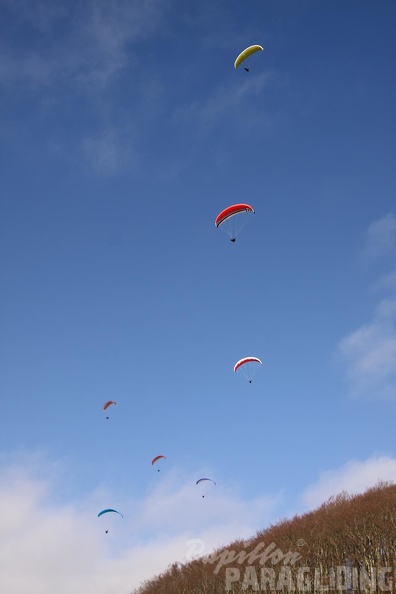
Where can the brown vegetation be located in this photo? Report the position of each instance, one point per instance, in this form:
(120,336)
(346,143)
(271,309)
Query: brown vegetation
(348,544)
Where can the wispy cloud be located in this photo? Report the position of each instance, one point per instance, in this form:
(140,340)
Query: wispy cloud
(225,102)
(353,477)
(48,545)
(109,149)
(89,43)
(381,237)
(387,282)
(370,354)
(75,67)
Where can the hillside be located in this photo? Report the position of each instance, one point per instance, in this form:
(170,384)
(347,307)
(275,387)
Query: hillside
(347,544)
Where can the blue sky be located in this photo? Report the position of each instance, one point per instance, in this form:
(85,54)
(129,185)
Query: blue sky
(124,131)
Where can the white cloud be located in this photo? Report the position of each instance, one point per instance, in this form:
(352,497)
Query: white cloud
(90,43)
(370,351)
(381,236)
(354,477)
(388,282)
(73,61)
(50,546)
(226,101)
(109,150)
(177,504)
(370,354)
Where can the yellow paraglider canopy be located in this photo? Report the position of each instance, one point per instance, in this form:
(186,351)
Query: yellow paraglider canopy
(246,53)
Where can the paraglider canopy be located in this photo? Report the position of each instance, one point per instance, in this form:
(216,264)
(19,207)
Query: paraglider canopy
(106,511)
(233,218)
(246,360)
(248,367)
(154,460)
(203,479)
(109,510)
(231,211)
(108,403)
(252,49)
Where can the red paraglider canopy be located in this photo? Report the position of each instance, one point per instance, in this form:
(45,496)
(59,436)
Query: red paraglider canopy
(232,210)
(154,460)
(246,360)
(108,403)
